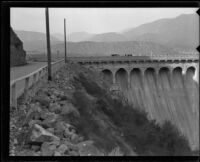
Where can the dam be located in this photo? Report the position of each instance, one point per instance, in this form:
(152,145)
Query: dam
(165,87)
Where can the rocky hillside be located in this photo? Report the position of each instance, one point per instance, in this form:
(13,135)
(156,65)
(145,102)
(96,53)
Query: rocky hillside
(76,115)
(17,53)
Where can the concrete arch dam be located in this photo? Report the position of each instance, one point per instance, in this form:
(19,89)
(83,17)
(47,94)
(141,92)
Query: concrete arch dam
(166,89)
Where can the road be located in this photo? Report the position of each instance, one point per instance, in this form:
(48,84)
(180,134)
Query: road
(19,71)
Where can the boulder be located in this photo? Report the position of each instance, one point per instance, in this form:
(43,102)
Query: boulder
(56,153)
(42,99)
(71,146)
(62,149)
(60,126)
(48,149)
(51,130)
(67,134)
(74,138)
(50,118)
(86,148)
(54,107)
(39,134)
(73,153)
(35,148)
(27,153)
(32,122)
(33,113)
(68,108)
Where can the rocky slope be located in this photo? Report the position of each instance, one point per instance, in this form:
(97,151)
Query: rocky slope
(76,115)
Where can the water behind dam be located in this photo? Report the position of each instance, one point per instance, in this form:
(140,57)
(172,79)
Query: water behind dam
(172,97)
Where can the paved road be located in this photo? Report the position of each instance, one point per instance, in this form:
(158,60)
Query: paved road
(19,71)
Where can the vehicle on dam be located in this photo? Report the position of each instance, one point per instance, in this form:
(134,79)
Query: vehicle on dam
(115,55)
(128,55)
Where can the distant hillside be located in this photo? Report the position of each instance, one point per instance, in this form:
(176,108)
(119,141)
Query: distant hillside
(59,36)
(108,37)
(182,31)
(108,48)
(79,36)
(33,41)
(33,36)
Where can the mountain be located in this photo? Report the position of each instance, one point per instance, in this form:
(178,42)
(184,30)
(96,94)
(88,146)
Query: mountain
(108,37)
(182,31)
(58,36)
(32,41)
(79,36)
(33,36)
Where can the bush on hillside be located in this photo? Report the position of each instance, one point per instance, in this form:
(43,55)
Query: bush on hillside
(87,124)
(90,86)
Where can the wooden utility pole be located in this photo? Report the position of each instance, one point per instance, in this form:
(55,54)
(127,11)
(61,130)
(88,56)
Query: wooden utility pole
(48,45)
(65,41)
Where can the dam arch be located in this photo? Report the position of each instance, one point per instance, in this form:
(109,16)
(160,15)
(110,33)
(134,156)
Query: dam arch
(177,69)
(107,75)
(121,77)
(165,76)
(149,70)
(191,68)
(135,77)
(163,69)
(177,78)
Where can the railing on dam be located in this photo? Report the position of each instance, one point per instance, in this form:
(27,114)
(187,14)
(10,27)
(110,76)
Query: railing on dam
(133,58)
(30,80)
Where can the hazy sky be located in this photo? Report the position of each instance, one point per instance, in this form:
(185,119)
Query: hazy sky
(92,20)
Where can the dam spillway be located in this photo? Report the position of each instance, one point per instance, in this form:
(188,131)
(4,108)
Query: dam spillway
(167,88)
(165,96)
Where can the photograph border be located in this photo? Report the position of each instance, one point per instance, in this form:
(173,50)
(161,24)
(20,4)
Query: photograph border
(5,72)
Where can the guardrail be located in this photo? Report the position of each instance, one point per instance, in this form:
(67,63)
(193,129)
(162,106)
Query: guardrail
(129,58)
(30,80)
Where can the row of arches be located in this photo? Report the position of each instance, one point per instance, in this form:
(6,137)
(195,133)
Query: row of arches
(123,73)
(137,61)
(164,93)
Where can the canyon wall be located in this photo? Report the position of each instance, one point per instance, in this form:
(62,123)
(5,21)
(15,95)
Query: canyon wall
(165,96)
(17,53)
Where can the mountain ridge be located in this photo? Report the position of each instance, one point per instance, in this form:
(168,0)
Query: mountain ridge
(180,33)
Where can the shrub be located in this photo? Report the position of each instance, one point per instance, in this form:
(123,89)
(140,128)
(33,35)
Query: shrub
(90,86)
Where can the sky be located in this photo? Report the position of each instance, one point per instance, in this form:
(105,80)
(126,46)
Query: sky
(92,20)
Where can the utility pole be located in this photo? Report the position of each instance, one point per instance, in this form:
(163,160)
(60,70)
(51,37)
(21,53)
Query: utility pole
(65,41)
(48,44)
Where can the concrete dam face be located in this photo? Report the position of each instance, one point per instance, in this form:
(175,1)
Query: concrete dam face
(164,95)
